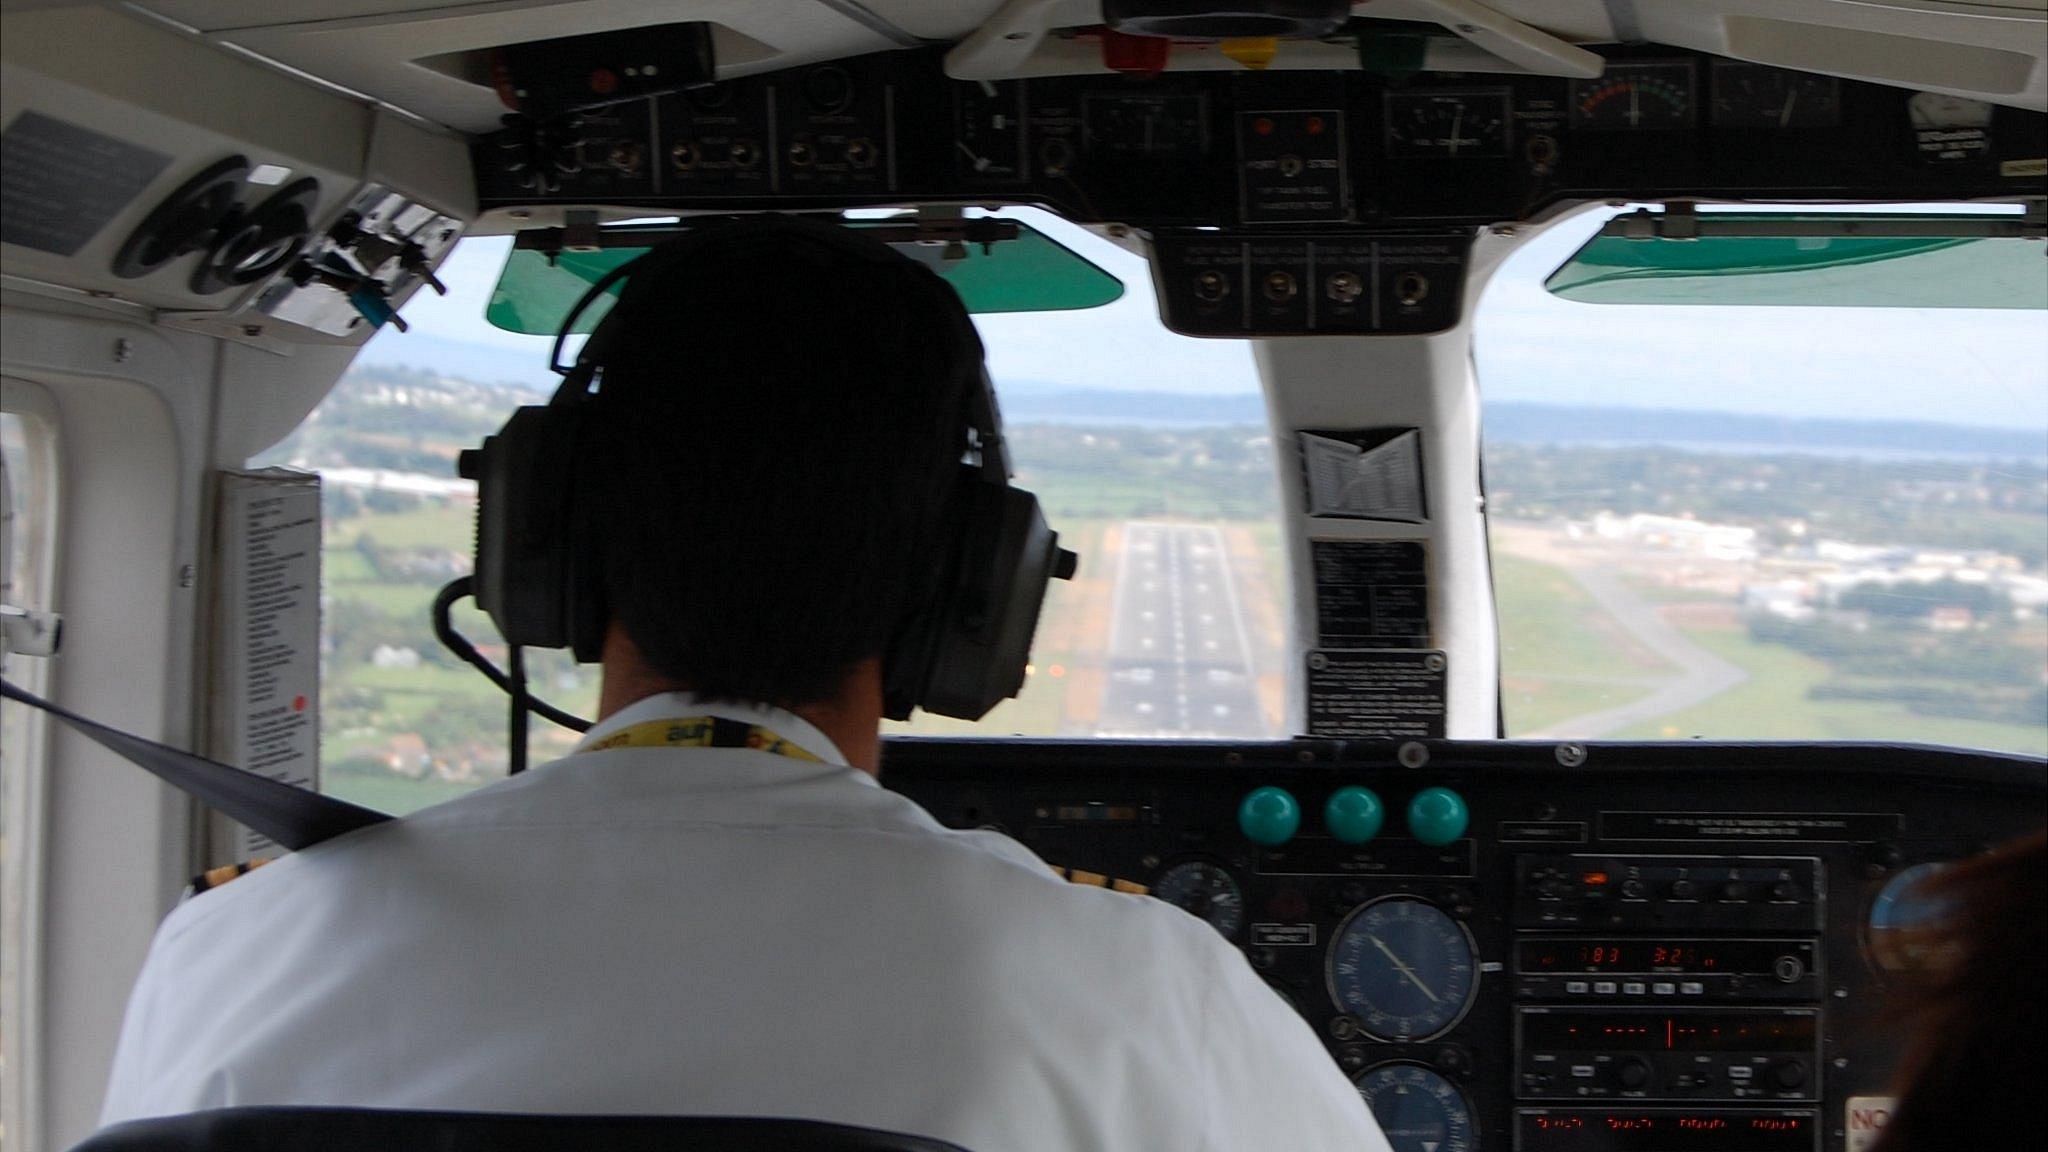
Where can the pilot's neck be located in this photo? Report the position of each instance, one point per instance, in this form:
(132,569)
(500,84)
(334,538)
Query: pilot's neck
(851,719)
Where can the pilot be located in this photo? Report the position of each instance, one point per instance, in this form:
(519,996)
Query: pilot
(654,926)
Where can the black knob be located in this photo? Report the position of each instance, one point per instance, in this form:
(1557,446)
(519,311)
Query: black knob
(468,463)
(1788,1074)
(1684,890)
(1734,890)
(1633,889)
(1784,890)
(1788,968)
(1064,564)
(1632,1073)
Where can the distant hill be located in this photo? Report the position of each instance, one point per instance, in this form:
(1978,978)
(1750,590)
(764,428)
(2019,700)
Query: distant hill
(1548,424)
(465,398)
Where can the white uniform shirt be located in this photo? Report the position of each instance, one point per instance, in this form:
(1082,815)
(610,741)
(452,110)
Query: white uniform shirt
(723,932)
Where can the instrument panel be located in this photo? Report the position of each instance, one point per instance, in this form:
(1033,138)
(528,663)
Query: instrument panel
(1514,946)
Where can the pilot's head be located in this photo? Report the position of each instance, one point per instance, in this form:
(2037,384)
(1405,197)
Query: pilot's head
(779,424)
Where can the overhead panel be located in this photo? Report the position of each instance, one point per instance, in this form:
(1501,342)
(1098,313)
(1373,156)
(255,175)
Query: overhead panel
(409,55)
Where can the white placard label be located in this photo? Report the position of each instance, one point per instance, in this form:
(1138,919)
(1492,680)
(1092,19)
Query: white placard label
(267,666)
(1866,1116)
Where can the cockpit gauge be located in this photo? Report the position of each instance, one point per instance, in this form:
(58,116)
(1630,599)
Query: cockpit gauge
(1403,968)
(1447,125)
(988,131)
(1637,97)
(1205,890)
(1759,96)
(1418,1110)
(1165,126)
(1904,920)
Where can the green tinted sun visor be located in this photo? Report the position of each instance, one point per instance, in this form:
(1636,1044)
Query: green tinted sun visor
(1849,260)
(1027,272)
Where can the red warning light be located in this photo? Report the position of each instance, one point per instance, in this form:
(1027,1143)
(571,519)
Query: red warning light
(1594,878)
(1314,126)
(299,703)
(604,82)
(1263,126)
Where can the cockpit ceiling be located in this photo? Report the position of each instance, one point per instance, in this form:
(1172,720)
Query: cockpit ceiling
(409,54)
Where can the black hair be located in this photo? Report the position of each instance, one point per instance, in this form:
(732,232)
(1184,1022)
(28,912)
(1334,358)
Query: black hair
(771,446)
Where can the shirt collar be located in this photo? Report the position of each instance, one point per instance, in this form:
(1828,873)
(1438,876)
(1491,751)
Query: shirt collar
(676,705)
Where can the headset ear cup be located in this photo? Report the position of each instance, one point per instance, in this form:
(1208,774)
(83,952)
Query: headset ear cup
(525,538)
(184,221)
(1008,555)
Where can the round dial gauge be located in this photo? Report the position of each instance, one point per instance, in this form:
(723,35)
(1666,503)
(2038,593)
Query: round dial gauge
(1205,890)
(1404,968)
(1903,920)
(1418,1110)
(1635,96)
(1756,96)
(1447,125)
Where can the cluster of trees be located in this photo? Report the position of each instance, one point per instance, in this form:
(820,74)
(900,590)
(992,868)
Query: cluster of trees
(1986,674)
(1223,473)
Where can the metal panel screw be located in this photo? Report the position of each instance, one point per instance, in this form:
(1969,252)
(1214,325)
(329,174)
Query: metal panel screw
(1317,661)
(1434,662)
(188,575)
(1571,755)
(123,349)
(1413,755)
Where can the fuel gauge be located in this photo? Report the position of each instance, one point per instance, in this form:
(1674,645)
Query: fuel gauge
(1633,97)
(1758,96)
(1447,125)
(988,131)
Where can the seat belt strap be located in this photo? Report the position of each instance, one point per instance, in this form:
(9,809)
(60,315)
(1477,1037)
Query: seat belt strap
(289,815)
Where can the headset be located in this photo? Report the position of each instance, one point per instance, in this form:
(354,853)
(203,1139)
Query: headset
(963,646)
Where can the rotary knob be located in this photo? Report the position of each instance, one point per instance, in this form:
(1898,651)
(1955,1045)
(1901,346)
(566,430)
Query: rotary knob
(1633,1074)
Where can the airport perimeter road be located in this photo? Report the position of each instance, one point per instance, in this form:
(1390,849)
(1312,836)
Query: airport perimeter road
(1179,659)
(1702,674)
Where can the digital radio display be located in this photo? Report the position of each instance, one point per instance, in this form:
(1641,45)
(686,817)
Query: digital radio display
(1650,1031)
(1663,1130)
(1577,954)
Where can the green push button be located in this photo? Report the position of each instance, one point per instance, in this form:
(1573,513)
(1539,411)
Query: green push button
(1353,814)
(1438,816)
(1269,816)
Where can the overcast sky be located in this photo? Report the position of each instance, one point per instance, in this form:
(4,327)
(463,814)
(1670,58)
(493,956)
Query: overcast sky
(1952,365)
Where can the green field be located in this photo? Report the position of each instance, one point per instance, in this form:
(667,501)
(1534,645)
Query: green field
(1562,655)
(1773,705)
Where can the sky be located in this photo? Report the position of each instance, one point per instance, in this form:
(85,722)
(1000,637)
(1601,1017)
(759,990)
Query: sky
(1958,366)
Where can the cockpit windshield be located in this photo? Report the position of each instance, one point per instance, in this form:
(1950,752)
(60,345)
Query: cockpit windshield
(1766,521)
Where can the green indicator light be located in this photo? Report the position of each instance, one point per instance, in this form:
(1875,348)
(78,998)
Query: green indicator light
(1269,816)
(1353,814)
(1438,816)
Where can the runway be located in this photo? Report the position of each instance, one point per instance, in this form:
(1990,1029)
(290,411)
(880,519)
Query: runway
(1179,657)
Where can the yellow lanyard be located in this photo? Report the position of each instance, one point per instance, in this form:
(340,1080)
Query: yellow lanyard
(703,732)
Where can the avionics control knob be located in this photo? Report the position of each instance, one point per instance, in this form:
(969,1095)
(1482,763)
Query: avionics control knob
(1734,890)
(1684,890)
(1787,1075)
(1354,814)
(1788,968)
(1269,816)
(1633,1074)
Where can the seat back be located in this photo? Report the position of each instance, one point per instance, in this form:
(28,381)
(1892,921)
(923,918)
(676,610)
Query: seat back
(292,1129)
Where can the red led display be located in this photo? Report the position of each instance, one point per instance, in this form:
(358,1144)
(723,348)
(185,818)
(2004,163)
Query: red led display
(1664,1130)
